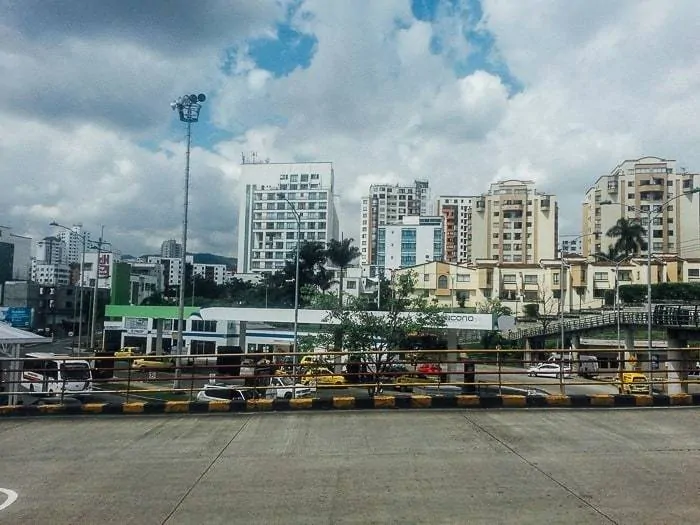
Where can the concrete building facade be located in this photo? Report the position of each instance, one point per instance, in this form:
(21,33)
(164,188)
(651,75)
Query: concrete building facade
(73,242)
(387,204)
(171,249)
(411,241)
(514,222)
(267,226)
(634,187)
(15,256)
(457,213)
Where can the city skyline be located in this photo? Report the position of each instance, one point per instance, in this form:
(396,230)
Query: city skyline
(460,93)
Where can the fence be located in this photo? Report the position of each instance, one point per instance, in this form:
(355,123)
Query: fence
(54,379)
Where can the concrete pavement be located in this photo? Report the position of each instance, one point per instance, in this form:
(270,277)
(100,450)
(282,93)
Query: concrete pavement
(533,466)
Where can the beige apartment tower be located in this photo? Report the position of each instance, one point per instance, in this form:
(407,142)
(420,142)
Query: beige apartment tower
(631,189)
(514,222)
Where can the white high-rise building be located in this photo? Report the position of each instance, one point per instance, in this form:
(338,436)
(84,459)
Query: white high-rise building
(171,249)
(631,189)
(387,204)
(457,213)
(267,226)
(50,250)
(413,240)
(514,222)
(72,239)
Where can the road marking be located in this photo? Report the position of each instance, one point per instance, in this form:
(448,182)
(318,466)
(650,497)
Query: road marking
(11,497)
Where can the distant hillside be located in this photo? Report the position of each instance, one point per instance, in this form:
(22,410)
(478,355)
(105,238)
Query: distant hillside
(210,258)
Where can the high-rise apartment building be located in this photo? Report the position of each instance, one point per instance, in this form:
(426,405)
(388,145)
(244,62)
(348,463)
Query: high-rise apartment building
(171,249)
(633,188)
(268,225)
(73,242)
(514,222)
(457,213)
(413,240)
(15,256)
(51,250)
(387,204)
(574,245)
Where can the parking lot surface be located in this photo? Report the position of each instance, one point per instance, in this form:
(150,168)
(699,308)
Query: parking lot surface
(534,466)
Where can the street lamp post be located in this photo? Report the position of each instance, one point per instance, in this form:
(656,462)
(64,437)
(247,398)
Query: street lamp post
(93,327)
(82,267)
(651,214)
(188,107)
(297,216)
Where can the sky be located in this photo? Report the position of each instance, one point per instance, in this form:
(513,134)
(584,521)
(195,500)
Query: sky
(463,93)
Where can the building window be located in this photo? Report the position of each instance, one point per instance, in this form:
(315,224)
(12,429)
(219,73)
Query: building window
(600,276)
(530,279)
(442,282)
(555,278)
(509,278)
(351,285)
(694,272)
(204,326)
(463,278)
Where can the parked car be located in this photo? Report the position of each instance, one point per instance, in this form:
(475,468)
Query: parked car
(224,392)
(128,351)
(548,370)
(153,363)
(322,376)
(429,369)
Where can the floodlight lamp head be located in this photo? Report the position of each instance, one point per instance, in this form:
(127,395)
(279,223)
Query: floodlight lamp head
(201,97)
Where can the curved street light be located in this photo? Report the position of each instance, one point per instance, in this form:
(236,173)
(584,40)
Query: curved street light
(188,108)
(652,212)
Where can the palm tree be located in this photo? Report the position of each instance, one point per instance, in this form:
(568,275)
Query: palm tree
(629,235)
(341,254)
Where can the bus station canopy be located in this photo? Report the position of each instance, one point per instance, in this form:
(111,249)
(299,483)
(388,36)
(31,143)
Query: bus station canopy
(12,336)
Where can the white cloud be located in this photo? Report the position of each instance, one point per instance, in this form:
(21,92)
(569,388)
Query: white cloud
(87,135)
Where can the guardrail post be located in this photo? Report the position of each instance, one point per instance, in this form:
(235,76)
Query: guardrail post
(128,378)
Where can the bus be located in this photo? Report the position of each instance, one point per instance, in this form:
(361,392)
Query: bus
(46,373)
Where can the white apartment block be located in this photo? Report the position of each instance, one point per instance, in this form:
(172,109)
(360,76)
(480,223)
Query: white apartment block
(413,240)
(387,204)
(171,268)
(171,249)
(514,222)
(73,242)
(573,245)
(267,225)
(50,274)
(632,189)
(215,272)
(15,253)
(101,269)
(51,250)
(457,212)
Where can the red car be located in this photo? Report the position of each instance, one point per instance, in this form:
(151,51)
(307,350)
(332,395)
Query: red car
(429,369)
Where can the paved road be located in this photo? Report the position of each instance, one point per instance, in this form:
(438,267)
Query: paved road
(519,378)
(437,467)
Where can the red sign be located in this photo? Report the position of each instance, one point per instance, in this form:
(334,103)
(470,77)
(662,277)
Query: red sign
(103,265)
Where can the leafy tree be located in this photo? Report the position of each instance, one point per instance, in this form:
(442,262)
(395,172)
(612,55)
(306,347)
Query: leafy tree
(341,254)
(376,336)
(629,234)
(491,338)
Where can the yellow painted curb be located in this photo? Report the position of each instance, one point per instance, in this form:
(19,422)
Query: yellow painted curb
(421,401)
(680,399)
(177,406)
(643,401)
(219,406)
(92,408)
(558,401)
(514,401)
(343,402)
(133,408)
(7,409)
(384,401)
(301,403)
(602,400)
(259,404)
(468,401)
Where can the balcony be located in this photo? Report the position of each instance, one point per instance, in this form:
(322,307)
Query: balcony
(545,204)
(481,204)
(612,186)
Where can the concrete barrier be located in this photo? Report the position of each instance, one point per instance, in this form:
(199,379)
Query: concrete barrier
(398,402)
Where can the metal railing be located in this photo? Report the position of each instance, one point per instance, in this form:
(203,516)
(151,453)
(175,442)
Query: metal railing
(272,376)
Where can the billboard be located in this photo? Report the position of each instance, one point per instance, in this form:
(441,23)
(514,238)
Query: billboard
(103,265)
(17,317)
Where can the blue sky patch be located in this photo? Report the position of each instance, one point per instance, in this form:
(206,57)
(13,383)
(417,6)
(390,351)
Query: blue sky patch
(282,55)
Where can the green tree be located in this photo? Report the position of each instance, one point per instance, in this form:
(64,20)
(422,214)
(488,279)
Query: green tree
(341,254)
(629,234)
(375,337)
(491,338)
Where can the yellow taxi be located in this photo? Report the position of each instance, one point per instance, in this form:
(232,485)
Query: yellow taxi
(322,376)
(127,351)
(153,363)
